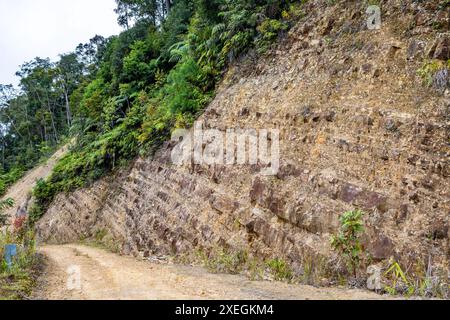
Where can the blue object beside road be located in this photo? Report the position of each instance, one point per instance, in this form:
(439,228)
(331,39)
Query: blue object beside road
(10,252)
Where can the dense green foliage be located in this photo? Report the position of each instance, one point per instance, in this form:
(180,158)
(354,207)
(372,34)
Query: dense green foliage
(122,96)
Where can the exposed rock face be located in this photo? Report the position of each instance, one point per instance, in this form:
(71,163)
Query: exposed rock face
(441,49)
(352,136)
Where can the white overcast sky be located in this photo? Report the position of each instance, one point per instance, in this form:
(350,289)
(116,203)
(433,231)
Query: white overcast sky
(47,28)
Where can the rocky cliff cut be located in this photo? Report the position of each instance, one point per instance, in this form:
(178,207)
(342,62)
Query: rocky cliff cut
(358,129)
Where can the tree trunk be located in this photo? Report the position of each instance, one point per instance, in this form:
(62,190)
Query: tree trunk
(68,113)
(168,6)
(41,132)
(14,126)
(3,153)
(53,119)
(28,127)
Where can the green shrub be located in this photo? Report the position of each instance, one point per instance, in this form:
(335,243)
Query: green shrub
(347,241)
(136,66)
(280,269)
(184,91)
(294,11)
(9,178)
(268,32)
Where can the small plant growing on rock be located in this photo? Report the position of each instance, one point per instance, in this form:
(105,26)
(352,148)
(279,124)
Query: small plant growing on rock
(347,241)
(294,12)
(429,70)
(268,32)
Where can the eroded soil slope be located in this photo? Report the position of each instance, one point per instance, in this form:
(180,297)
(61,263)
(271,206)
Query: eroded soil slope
(20,192)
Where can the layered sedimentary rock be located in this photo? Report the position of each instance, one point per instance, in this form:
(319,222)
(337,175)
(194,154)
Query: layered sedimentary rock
(358,130)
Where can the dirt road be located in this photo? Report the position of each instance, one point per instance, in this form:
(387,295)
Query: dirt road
(106,276)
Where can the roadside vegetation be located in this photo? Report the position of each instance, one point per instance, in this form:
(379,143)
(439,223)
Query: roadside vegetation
(349,268)
(17,280)
(394,279)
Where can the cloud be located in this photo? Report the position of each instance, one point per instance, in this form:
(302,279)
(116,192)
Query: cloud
(47,28)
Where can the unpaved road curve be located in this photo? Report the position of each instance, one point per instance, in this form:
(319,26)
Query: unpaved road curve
(106,276)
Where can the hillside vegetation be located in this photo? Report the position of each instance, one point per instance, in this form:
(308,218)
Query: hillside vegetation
(361,193)
(123,95)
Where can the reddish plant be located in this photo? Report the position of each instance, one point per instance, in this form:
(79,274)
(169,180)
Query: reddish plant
(19,223)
